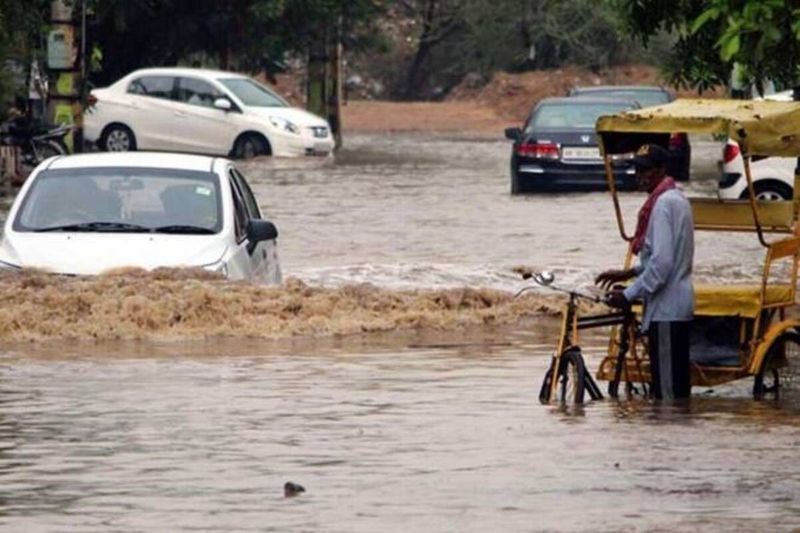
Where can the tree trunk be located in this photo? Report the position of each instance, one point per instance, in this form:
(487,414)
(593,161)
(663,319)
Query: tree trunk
(414,80)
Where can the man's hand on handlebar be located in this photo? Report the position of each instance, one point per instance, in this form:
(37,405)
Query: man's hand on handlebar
(608,278)
(616,298)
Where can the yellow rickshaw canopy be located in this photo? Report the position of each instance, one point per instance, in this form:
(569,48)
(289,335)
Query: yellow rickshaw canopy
(762,128)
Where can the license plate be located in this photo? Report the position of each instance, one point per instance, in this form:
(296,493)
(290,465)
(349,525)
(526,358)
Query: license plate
(581,153)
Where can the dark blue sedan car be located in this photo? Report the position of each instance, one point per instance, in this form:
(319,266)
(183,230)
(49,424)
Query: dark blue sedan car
(557,148)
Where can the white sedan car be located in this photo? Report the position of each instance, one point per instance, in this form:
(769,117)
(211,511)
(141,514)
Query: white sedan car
(86,214)
(201,111)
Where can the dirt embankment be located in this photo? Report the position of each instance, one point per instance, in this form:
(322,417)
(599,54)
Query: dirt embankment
(474,108)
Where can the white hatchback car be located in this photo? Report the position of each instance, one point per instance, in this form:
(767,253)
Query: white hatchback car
(201,111)
(773,177)
(86,214)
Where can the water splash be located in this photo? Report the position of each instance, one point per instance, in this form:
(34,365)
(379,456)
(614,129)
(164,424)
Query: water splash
(178,304)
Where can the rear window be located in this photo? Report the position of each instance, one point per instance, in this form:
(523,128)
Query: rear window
(150,199)
(644,98)
(155,86)
(572,115)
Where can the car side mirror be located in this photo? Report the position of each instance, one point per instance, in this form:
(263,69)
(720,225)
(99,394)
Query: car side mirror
(261,230)
(223,104)
(513,133)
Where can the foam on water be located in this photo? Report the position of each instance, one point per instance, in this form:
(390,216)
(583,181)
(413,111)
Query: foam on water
(189,304)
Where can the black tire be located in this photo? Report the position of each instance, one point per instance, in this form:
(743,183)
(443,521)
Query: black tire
(251,145)
(515,188)
(117,138)
(571,378)
(770,189)
(780,369)
(544,391)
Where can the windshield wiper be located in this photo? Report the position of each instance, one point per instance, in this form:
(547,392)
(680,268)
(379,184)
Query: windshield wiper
(184,228)
(99,227)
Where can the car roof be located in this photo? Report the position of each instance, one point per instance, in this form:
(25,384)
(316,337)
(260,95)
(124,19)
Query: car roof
(620,88)
(587,100)
(186,71)
(136,159)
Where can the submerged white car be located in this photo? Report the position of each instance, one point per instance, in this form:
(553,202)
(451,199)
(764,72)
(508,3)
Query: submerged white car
(201,111)
(86,214)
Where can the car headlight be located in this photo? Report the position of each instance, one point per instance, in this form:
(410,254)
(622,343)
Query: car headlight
(285,125)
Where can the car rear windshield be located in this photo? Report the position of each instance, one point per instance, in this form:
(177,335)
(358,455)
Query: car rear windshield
(252,93)
(572,116)
(122,199)
(644,98)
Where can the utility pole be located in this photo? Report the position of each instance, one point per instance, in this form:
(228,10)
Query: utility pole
(66,64)
(324,92)
(335,94)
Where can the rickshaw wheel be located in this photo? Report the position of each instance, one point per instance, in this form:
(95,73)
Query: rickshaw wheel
(780,368)
(571,377)
(544,391)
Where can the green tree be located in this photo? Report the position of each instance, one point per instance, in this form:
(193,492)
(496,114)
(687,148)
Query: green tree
(457,37)
(232,34)
(22,26)
(763,36)
(695,61)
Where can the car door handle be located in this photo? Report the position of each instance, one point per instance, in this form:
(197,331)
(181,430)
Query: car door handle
(179,113)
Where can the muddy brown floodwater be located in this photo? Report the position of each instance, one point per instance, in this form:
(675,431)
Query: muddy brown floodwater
(409,404)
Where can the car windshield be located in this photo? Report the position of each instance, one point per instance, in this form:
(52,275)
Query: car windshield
(117,199)
(572,115)
(252,93)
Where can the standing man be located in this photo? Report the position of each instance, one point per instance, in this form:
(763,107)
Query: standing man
(664,242)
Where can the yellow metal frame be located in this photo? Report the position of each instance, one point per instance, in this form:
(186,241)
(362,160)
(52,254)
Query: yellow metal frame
(761,129)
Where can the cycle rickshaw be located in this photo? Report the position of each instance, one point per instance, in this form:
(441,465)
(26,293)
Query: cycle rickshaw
(739,331)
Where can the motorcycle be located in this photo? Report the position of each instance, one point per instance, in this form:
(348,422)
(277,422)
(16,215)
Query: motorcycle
(35,141)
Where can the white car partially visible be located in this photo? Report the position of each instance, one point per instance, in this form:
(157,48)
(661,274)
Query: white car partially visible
(87,214)
(201,111)
(773,177)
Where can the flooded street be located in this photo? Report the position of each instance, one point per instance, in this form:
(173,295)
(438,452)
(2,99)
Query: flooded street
(409,210)
(429,424)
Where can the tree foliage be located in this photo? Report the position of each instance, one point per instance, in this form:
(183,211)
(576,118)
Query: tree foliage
(246,34)
(763,36)
(694,61)
(20,30)
(457,37)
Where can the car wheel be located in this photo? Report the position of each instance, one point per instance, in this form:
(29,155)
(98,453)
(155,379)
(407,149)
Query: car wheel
(118,138)
(515,188)
(770,190)
(250,146)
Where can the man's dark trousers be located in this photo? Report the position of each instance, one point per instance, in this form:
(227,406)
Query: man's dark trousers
(669,359)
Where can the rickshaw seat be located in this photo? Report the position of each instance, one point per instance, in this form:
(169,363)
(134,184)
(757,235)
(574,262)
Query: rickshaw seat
(739,300)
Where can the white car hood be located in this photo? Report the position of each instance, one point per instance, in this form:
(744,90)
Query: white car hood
(298,116)
(94,253)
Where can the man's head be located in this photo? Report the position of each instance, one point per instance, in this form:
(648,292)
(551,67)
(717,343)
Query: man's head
(650,163)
